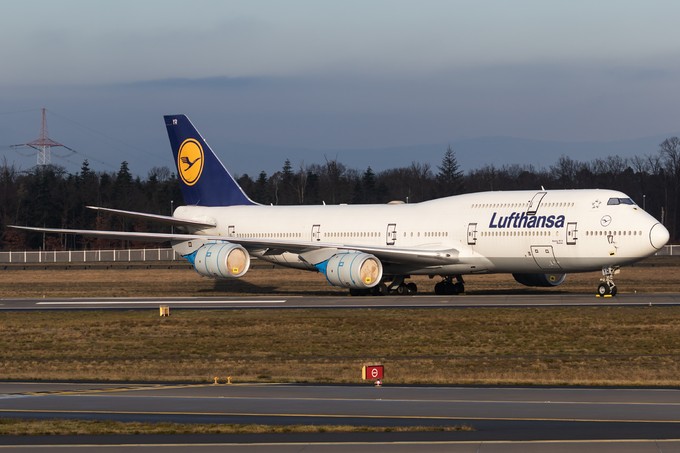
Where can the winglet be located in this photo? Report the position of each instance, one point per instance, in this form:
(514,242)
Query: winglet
(203,178)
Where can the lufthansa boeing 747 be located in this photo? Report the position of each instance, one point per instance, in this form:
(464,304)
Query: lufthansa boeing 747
(537,236)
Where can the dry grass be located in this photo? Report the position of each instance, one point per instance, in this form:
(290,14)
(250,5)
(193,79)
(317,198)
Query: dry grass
(659,274)
(605,345)
(19,427)
(595,345)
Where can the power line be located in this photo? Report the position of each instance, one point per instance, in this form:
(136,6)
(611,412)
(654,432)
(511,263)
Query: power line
(135,150)
(43,144)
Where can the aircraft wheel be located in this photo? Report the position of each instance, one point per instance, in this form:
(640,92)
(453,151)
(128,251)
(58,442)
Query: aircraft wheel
(460,288)
(603,289)
(439,289)
(452,289)
(379,290)
(402,290)
(412,288)
(614,290)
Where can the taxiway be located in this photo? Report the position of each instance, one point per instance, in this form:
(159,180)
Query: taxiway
(509,414)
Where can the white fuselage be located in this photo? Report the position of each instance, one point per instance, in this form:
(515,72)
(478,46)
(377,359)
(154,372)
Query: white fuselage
(556,231)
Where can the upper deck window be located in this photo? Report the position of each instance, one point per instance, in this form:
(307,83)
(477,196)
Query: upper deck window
(615,201)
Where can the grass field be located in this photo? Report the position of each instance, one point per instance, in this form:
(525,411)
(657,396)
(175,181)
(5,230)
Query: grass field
(20,427)
(593,345)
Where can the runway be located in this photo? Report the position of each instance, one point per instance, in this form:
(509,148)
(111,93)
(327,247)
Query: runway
(460,301)
(516,415)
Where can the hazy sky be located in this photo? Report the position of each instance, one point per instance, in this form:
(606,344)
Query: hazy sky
(333,75)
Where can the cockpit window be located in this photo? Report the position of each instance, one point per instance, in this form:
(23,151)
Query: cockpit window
(615,201)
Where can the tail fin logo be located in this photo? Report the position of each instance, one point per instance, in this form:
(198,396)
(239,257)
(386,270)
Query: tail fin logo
(190,161)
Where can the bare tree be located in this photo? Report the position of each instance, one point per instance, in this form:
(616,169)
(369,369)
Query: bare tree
(640,164)
(669,150)
(161,174)
(301,183)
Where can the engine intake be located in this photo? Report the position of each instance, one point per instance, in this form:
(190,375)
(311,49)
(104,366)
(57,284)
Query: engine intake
(541,280)
(356,270)
(222,260)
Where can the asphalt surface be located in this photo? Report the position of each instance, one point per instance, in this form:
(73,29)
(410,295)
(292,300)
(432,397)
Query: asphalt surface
(495,414)
(460,301)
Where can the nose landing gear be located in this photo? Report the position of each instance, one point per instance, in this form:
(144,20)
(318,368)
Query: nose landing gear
(607,287)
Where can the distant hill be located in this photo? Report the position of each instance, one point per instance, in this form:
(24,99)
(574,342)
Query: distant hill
(474,153)
(471,153)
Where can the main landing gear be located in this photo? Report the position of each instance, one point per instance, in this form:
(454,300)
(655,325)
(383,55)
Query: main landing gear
(396,286)
(401,288)
(448,287)
(607,287)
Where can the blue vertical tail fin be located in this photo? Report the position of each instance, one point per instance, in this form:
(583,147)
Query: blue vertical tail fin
(203,178)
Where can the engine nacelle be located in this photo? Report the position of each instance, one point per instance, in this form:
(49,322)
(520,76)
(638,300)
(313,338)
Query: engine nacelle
(542,280)
(221,260)
(356,270)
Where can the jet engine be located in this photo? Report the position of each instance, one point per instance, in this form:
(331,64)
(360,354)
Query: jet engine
(221,260)
(542,280)
(356,270)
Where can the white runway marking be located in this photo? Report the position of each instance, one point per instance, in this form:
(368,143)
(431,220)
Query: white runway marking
(183,302)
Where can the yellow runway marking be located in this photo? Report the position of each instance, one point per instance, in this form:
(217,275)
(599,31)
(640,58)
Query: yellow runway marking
(334,399)
(113,389)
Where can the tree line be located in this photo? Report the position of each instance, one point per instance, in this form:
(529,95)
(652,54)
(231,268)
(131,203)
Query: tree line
(51,197)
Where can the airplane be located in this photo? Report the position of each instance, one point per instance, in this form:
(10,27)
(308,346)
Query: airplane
(538,236)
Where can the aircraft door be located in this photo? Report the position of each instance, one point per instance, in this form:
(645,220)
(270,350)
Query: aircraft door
(231,231)
(535,203)
(572,233)
(391,237)
(316,233)
(472,234)
(544,255)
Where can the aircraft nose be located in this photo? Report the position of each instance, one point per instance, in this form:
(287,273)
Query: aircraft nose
(658,236)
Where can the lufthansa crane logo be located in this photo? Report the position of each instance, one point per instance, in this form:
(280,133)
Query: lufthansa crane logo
(190,161)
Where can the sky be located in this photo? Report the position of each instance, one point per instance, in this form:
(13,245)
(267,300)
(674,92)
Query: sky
(310,80)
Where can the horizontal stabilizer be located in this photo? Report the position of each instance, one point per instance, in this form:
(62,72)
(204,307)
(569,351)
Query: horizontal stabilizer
(168,220)
(124,235)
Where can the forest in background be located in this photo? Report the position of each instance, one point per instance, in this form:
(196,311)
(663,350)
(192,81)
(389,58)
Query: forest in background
(48,196)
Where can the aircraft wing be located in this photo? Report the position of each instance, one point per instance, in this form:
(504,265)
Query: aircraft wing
(425,256)
(433,256)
